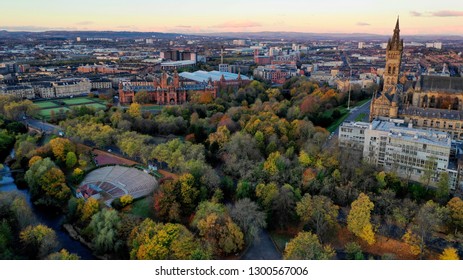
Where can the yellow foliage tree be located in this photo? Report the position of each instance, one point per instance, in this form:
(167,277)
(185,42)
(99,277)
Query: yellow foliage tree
(34,159)
(304,159)
(306,246)
(270,165)
(126,200)
(359,219)
(449,254)
(222,234)
(413,241)
(60,147)
(134,110)
(89,209)
(220,137)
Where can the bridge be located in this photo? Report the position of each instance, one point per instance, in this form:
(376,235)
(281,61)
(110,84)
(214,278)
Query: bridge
(11,171)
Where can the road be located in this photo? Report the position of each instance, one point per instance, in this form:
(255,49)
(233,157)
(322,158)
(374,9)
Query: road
(43,126)
(262,249)
(353,115)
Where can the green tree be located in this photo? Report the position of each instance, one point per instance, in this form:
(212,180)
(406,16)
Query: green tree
(71,159)
(359,219)
(104,227)
(443,188)
(306,246)
(354,251)
(429,170)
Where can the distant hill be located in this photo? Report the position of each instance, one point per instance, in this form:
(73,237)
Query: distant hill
(89,34)
(266,35)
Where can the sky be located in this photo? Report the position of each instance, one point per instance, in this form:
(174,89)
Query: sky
(205,16)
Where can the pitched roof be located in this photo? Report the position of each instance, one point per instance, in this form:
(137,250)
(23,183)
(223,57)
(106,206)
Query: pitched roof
(442,83)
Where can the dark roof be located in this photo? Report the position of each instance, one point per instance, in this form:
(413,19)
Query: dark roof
(441,83)
(432,113)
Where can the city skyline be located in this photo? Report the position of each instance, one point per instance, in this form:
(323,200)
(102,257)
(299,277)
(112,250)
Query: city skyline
(207,16)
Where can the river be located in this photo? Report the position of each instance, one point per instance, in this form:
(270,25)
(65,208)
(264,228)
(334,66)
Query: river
(51,220)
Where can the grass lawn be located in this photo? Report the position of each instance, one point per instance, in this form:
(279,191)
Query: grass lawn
(46,113)
(45,104)
(361,102)
(280,240)
(143,207)
(96,106)
(335,125)
(151,107)
(361,117)
(78,100)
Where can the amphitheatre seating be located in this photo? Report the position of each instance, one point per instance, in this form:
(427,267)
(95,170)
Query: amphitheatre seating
(116,181)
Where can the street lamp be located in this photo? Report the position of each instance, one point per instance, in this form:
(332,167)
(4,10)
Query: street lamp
(350,87)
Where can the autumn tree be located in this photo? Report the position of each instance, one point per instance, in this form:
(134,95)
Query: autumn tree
(455,208)
(166,205)
(283,206)
(89,208)
(220,137)
(63,255)
(266,194)
(142,97)
(221,233)
(47,184)
(61,147)
(427,221)
(319,212)
(38,241)
(157,241)
(449,254)
(245,213)
(359,219)
(306,246)
(134,110)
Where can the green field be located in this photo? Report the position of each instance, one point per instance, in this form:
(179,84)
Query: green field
(151,108)
(96,106)
(46,113)
(46,104)
(143,207)
(78,100)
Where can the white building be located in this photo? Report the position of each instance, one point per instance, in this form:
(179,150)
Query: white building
(352,135)
(406,150)
(223,68)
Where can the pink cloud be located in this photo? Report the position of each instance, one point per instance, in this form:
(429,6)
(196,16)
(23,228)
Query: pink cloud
(447,14)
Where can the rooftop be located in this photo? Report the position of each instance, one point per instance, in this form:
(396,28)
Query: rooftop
(203,76)
(402,131)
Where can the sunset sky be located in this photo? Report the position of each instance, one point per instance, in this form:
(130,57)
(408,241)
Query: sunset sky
(201,16)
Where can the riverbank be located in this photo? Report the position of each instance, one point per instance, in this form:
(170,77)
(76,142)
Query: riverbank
(51,220)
